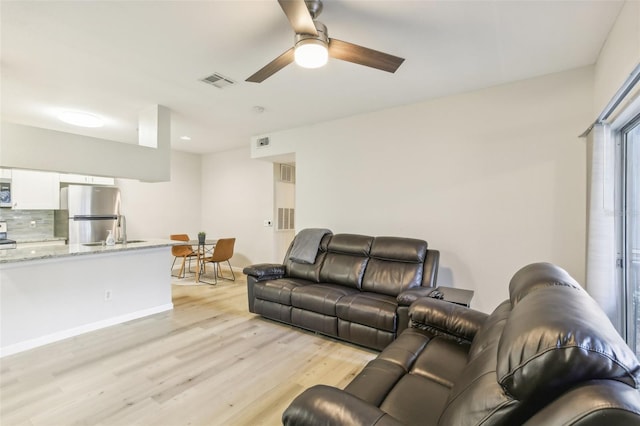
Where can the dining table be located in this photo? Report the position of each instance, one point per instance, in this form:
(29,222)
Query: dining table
(202,249)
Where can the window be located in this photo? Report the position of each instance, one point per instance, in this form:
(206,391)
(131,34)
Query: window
(629,226)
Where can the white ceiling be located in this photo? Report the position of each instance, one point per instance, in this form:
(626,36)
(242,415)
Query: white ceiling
(115,58)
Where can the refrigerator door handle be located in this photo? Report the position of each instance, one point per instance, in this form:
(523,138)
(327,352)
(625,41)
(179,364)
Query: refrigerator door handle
(95,217)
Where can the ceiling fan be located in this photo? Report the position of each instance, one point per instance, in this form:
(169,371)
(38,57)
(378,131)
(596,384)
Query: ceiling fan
(313,43)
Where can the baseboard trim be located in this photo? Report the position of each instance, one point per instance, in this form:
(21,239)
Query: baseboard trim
(65,334)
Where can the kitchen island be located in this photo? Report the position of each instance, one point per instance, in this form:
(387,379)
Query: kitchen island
(49,293)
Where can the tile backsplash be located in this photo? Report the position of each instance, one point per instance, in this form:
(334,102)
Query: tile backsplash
(20,224)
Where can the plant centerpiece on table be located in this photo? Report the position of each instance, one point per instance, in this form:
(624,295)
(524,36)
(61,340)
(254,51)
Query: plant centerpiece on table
(202,236)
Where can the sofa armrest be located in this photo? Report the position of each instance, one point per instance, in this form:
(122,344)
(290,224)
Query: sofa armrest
(446,319)
(409,296)
(326,405)
(265,271)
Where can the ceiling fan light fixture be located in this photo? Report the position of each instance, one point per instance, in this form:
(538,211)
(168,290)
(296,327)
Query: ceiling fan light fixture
(311,53)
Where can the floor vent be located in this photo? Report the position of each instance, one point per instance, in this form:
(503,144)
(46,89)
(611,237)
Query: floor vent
(218,80)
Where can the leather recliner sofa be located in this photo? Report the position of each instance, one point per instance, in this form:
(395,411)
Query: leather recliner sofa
(546,356)
(359,289)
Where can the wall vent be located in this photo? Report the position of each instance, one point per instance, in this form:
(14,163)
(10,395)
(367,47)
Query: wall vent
(262,142)
(285,219)
(287,173)
(218,80)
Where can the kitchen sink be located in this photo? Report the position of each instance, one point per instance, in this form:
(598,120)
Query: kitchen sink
(98,244)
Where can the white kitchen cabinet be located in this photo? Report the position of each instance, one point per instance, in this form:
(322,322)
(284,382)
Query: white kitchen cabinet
(85,179)
(35,190)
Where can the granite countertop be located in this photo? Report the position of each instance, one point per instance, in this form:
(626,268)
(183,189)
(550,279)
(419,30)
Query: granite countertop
(51,252)
(37,240)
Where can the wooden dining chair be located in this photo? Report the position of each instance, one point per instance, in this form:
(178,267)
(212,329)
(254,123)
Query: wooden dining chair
(183,251)
(222,252)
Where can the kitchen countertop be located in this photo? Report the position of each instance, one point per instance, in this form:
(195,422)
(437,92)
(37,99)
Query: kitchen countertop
(37,240)
(58,251)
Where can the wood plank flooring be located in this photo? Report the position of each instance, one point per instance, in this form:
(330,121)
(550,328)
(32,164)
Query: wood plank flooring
(207,362)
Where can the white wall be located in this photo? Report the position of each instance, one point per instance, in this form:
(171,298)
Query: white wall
(28,147)
(619,56)
(494,179)
(237,196)
(156,210)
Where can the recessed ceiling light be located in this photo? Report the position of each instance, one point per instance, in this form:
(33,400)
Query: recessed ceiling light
(82,119)
(185,138)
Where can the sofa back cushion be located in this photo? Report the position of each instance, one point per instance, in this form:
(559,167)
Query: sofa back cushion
(556,338)
(346,260)
(395,265)
(537,276)
(549,337)
(306,271)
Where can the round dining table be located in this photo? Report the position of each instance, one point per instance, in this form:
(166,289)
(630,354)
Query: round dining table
(201,252)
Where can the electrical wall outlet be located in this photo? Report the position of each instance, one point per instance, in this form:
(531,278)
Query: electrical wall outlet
(108,295)
(268,223)
(32,224)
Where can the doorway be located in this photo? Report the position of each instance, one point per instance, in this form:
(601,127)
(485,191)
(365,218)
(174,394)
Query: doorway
(284,206)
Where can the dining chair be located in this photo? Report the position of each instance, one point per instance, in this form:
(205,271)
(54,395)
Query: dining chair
(183,251)
(222,252)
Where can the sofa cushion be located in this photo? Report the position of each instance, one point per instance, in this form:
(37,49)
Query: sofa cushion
(557,337)
(399,249)
(396,265)
(406,401)
(364,335)
(326,324)
(320,298)
(273,310)
(371,309)
(277,290)
(375,381)
(381,374)
(353,244)
(391,278)
(433,373)
(306,271)
(346,260)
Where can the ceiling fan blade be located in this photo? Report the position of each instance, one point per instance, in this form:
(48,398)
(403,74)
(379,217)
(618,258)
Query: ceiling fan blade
(272,67)
(299,16)
(363,56)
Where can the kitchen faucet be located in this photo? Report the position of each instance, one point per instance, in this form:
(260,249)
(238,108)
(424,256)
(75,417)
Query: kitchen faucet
(122,224)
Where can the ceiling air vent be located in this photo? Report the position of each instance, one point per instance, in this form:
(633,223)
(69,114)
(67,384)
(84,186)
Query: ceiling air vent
(262,142)
(218,80)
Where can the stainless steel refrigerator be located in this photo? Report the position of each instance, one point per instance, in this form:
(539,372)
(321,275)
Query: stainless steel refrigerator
(87,213)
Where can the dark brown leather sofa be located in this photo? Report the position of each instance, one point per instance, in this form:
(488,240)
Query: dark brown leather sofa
(547,356)
(359,289)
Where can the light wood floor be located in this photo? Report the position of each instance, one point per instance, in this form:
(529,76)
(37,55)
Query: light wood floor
(207,362)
